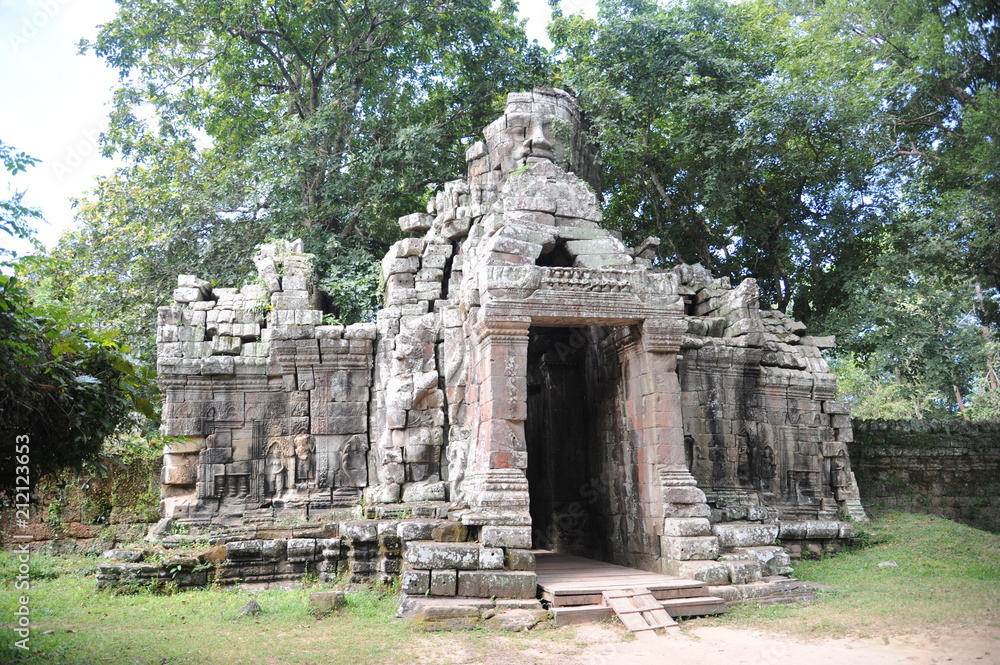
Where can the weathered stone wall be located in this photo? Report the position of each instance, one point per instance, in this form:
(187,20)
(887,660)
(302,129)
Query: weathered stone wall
(271,402)
(83,513)
(947,468)
(764,435)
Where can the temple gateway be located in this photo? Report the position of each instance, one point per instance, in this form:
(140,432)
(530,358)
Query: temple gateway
(531,384)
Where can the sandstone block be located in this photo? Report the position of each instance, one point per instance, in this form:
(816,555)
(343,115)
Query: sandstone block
(506,536)
(427,555)
(709,572)
(491,558)
(418,222)
(415,582)
(424,491)
(449,532)
(443,582)
(687,510)
(360,331)
(502,584)
(689,548)
(821,530)
(726,592)
(187,294)
(301,549)
(686,526)
(792,530)
(516,620)
(242,550)
(215,365)
(683,495)
(323,602)
(416,530)
(518,559)
(273,550)
(743,572)
(449,617)
(360,530)
(745,534)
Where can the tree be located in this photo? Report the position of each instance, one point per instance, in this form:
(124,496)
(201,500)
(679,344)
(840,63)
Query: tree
(842,154)
(63,387)
(712,143)
(241,122)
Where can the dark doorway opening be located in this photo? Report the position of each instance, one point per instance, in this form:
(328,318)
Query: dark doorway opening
(569,492)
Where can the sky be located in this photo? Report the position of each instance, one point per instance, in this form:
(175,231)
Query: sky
(54,101)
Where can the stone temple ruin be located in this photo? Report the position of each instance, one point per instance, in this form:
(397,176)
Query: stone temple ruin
(531,383)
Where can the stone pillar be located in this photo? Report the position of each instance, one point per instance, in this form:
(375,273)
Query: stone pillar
(496,487)
(663,422)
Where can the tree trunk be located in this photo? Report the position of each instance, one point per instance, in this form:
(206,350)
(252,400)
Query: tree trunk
(958,398)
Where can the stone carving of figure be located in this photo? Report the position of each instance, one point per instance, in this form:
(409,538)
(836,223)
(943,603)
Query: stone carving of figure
(274,467)
(304,456)
(766,468)
(840,476)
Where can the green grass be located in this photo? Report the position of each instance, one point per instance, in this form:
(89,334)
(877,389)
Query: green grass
(199,626)
(946,575)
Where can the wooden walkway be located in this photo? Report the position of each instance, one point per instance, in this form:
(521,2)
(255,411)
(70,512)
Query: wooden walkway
(575,588)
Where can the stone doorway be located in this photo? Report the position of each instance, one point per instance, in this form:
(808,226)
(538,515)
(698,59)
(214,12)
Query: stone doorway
(581,473)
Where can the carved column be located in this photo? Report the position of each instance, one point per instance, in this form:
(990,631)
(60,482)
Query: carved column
(663,421)
(496,487)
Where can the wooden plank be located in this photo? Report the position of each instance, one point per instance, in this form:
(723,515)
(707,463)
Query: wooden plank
(660,618)
(634,622)
(689,607)
(670,594)
(569,589)
(593,574)
(623,606)
(594,597)
(635,580)
(624,593)
(646,601)
(565,616)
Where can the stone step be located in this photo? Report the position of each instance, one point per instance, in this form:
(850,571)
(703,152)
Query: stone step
(688,548)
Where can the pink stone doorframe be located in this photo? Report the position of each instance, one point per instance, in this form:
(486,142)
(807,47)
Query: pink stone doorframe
(497,486)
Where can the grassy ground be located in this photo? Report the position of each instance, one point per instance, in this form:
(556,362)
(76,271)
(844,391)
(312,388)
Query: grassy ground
(947,575)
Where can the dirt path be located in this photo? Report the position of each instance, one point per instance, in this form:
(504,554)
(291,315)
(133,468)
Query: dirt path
(711,645)
(728,646)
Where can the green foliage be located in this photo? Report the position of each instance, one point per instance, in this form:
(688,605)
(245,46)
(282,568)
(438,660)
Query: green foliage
(15,217)
(65,386)
(874,396)
(842,154)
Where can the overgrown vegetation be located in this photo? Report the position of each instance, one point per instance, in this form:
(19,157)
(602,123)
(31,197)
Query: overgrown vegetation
(66,386)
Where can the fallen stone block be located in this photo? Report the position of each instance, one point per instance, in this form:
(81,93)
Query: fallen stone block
(324,602)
